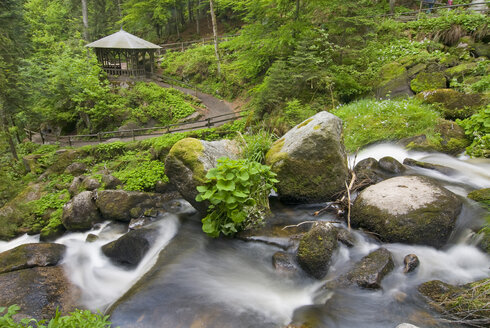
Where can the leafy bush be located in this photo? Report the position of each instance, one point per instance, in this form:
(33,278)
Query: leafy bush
(367,121)
(143,176)
(77,318)
(238,191)
(257,145)
(477,128)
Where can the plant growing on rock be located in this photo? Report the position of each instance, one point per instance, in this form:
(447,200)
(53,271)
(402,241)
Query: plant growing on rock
(238,191)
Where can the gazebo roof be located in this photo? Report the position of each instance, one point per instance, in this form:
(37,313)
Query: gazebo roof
(122,40)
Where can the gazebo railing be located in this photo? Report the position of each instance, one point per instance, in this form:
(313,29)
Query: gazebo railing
(125,72)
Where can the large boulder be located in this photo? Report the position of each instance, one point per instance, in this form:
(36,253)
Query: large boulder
(188,162)
(39,292)
(81,213)
(310,160)
(408,209)
(124,205)
(454,104)
(428,81)
(129,249)
(31,255)
(316,248)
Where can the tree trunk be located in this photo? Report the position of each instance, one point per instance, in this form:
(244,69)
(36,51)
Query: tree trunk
(297,10)
(215,34)
(392,6)
(198,17)
(85,20)
(189,10)
(8,136)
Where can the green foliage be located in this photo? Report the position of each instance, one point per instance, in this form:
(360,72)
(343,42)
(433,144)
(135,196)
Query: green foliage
(477,128)
(77,318)
(143,176)
(368,121)
(238,192)
(257,145)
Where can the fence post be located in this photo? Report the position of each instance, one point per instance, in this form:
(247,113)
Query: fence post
(182,45)
(132,133)
(168,128)
(42,137)
(69,140)
(99,136)
(209,123)
(30,135)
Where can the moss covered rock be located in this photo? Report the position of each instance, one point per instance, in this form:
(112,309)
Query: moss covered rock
(368,272)
(481,196)
(81,213)
(39,292)
(428,81)
(189,160)
(454,104)
(409,209)
(316,248)
(310,160)
(394,81)
(461,70)
(466,302)
(31,255)
(121,205)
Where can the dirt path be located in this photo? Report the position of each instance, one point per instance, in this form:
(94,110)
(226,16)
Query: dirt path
(214,107)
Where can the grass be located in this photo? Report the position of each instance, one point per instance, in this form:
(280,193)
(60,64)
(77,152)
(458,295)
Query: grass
(368,121)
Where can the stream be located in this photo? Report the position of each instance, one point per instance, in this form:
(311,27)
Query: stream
(189,280)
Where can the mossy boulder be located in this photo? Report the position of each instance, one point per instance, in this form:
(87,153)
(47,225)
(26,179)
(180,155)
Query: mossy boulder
(481,196)
(482,49)
(369,170)
(391,165)
(394,81)
(81,213)
(428,81)
(316,248)
(129,249)
(408,209)
(460,71)
(454,104)
(368,272)
(110,181)
(189,160)
(15,214)
(121,205)
(39,292)
(76,169)
(467,302)
(31,255)
(310,160)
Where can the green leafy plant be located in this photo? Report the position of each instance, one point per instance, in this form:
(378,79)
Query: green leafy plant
(477,128)
(143,176)
(257,145)
(77,318)
(238,193)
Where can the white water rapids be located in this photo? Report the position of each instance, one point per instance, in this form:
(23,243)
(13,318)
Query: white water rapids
(239,274)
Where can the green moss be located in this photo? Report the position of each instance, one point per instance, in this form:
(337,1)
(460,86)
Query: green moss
(316,127)
(482,196)
(452,103)
(274,154)
(391,71)
(428,81)
(461,70)
(188,151)
(304,123)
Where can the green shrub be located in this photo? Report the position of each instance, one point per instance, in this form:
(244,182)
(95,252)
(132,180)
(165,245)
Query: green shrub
(257,145)
(238,191)
(368,121)
(477,128)
(77,318)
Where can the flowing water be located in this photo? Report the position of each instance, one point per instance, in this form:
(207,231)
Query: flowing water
(190,280)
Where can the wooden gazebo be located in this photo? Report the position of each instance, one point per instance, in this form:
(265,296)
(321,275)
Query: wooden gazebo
(124,54)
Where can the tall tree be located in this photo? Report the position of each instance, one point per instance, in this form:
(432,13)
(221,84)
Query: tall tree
(85,20)
(215,35)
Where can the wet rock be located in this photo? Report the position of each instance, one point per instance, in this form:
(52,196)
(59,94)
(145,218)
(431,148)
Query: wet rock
(284,262)
(406,325)
(310,160)
(188,162)
(31,255)
(76,185)
(316,248)
(436,167)
(39,292)
(370,270)
(76,169)
(110,181)
(394,81)
(51,233)
(410,262)
(130,248)
(408,209)
(481,196)
(346,237)
(90,184)
(139,223)
(370,170)
(391,165)
(124,205)
(91,238)
(80,213)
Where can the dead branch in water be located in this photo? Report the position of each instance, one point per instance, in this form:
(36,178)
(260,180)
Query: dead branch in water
(304,222)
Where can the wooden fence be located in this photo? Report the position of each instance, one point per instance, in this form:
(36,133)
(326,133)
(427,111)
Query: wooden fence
(181,46)
(131,134)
